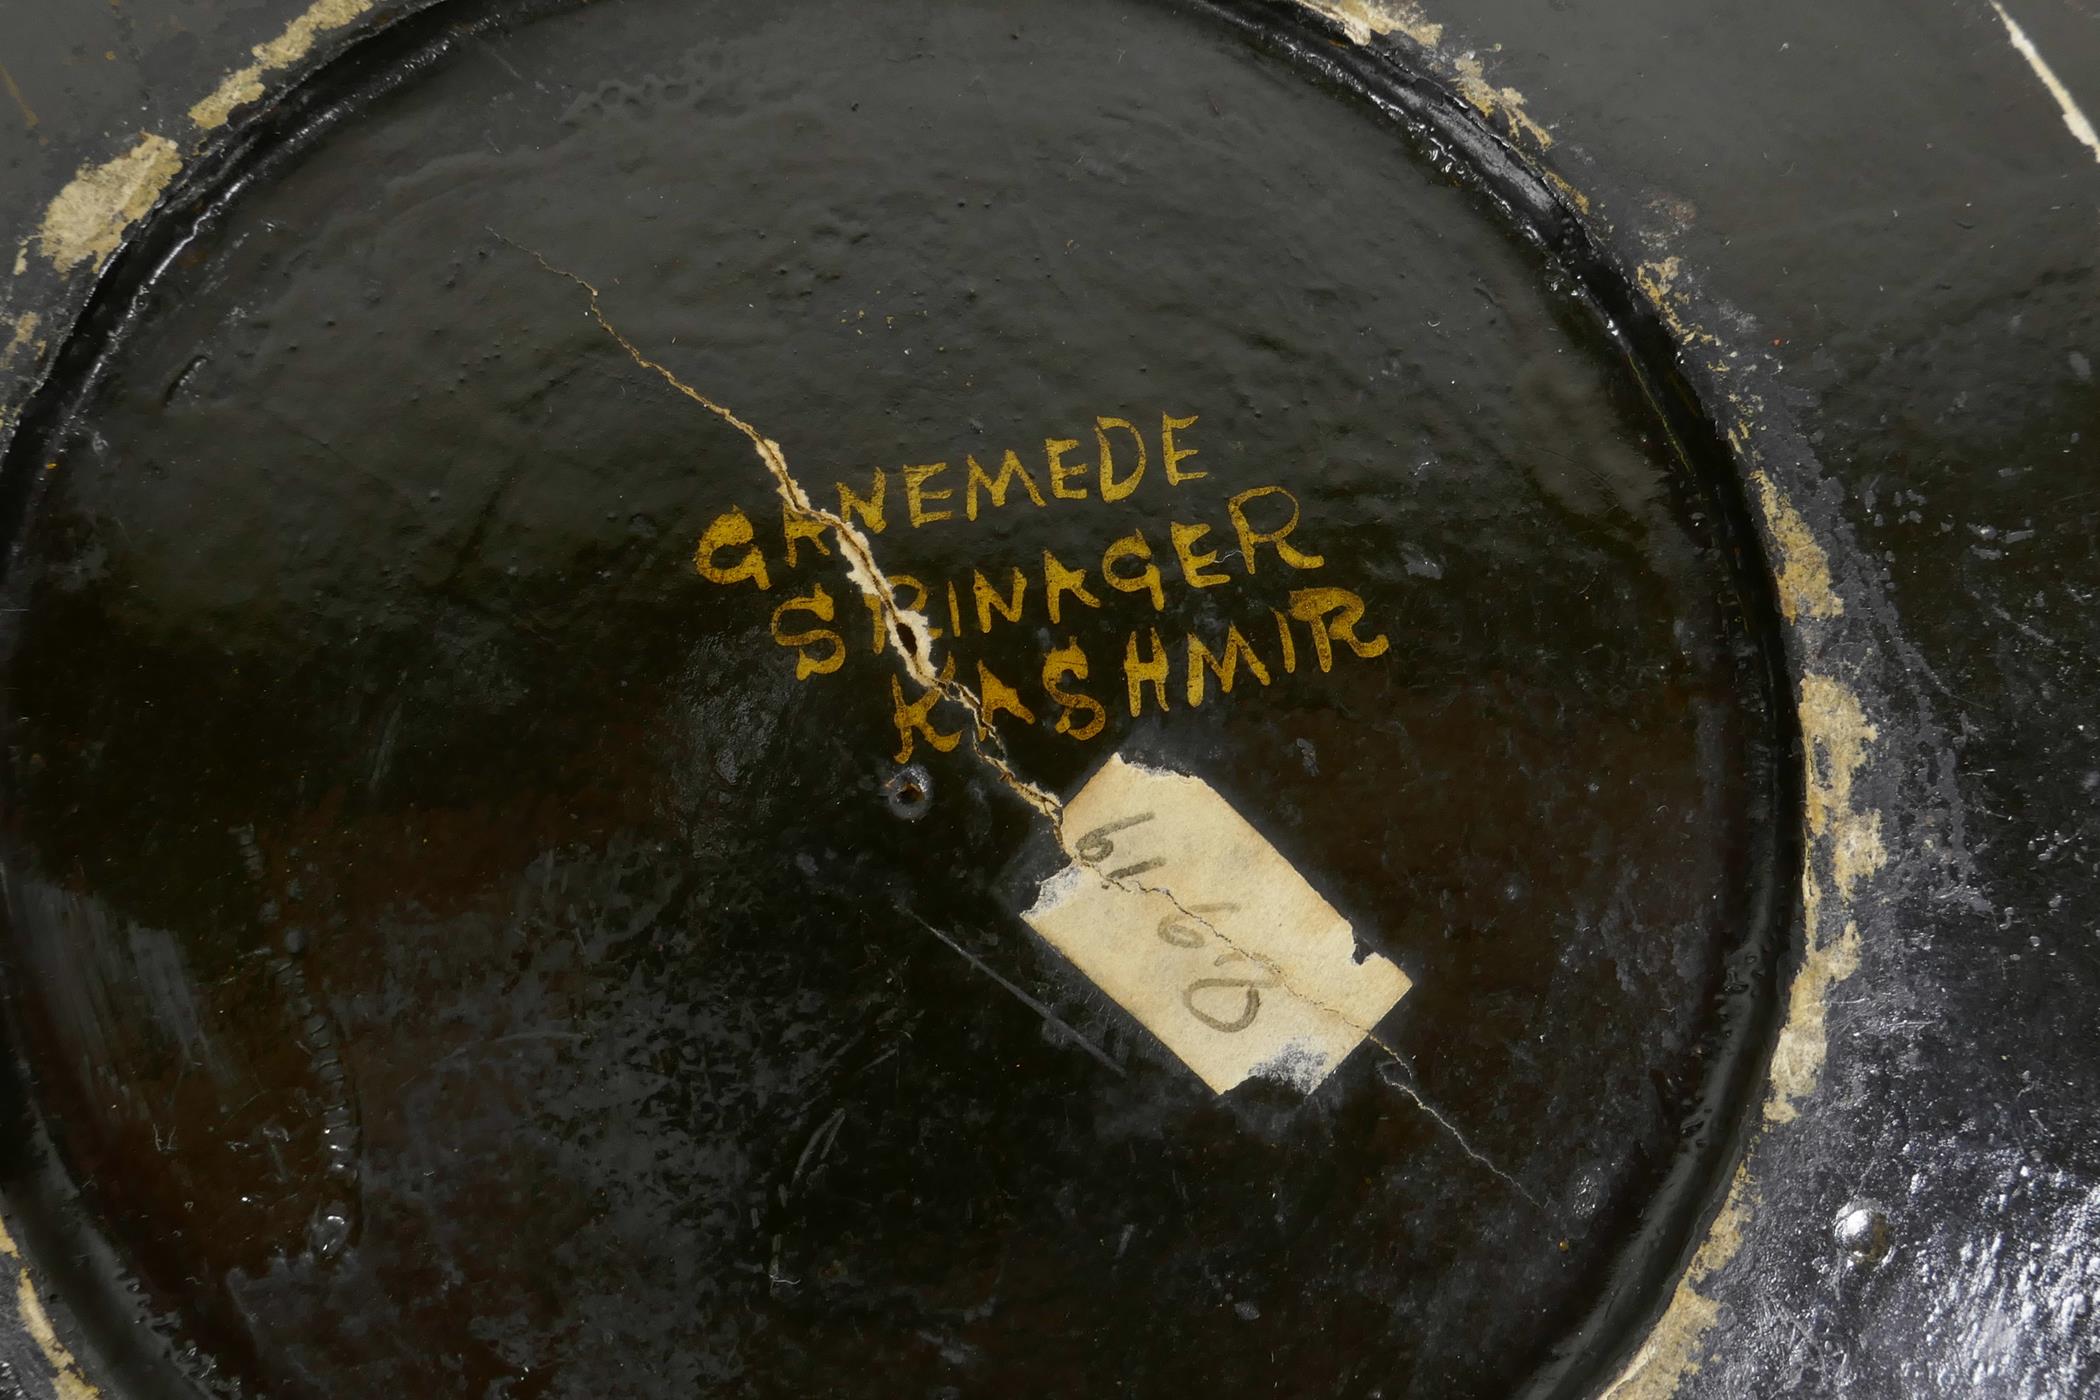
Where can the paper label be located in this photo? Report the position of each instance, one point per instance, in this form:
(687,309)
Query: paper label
(1199,928)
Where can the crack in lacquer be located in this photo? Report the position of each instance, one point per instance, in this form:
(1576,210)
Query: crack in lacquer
(901,622)
(916,656)
(1368,1032)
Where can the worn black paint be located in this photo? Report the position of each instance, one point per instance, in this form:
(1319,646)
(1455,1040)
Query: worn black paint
(684,869)
(1901,1287)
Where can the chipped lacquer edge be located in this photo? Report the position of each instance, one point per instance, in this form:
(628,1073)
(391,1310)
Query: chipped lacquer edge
(66,246)
(1844,843)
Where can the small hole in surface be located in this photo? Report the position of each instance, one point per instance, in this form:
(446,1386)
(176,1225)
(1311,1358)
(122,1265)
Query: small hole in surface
(909,792)
(1863,1232)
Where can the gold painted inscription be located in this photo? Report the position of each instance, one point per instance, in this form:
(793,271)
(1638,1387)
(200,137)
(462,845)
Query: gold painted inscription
(1250,533)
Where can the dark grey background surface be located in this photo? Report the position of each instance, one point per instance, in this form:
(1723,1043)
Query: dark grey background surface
(1879,211)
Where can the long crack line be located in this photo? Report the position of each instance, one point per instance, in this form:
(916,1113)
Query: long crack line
(916,655)
(909,632)
(1452,1128)
(1022,996)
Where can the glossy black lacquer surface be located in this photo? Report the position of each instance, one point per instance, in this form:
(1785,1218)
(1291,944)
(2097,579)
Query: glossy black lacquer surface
(462,937)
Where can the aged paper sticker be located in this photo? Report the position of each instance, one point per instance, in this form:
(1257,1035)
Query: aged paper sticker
(1198,927)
